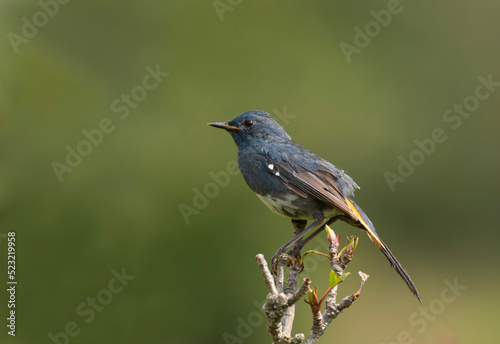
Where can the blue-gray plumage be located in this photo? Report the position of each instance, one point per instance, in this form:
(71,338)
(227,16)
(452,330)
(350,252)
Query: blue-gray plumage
(295,183)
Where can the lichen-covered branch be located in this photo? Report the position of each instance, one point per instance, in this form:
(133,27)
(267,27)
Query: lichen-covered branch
(277,304)
(280,303)
(338,263)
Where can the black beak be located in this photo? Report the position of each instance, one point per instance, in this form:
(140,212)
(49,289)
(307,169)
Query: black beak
(223,125)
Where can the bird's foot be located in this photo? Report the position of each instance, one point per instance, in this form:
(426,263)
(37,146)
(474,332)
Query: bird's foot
(296,257)
(274,261)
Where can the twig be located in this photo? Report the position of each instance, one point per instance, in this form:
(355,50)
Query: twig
(280,303)
(268,278)
(293,294)
(277,304)
(333,309)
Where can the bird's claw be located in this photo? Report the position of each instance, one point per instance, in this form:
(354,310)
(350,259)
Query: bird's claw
(294,258)
(274,262)
(294,254)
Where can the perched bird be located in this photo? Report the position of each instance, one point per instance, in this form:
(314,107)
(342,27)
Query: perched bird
(295,183)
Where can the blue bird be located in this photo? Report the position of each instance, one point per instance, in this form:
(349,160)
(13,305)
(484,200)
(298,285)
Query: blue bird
(297,184)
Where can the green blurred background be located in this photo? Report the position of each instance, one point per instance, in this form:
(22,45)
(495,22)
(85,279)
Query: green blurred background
(119,208)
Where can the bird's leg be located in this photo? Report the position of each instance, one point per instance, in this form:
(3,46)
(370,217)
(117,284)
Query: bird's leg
(297,237)
(295,252)
(319,230)
(298,227)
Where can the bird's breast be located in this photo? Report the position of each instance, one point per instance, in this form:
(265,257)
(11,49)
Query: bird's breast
(295,207)
(283,206)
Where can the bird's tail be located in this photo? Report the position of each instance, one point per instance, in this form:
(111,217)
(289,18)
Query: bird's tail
(370,230)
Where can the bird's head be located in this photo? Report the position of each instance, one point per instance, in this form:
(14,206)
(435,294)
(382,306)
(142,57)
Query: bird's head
(253,127)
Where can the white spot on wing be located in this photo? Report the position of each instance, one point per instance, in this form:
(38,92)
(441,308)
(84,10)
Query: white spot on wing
(271,166)
(277,174)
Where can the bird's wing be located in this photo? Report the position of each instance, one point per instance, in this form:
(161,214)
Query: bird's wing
(321,184)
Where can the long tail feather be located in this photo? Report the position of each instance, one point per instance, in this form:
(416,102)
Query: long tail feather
(394,262)
(370,230)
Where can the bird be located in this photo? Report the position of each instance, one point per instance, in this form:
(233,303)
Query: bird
(296,183)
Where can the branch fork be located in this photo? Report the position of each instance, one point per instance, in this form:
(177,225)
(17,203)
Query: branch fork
(280,303)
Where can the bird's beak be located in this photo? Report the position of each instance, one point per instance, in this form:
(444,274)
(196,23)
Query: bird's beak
(223,125)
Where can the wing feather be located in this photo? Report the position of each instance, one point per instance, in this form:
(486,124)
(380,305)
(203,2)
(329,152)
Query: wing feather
(321,185)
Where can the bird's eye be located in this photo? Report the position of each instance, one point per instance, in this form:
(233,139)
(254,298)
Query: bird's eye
(248,123)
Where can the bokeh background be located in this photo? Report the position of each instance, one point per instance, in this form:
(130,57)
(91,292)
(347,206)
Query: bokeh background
(198,282)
